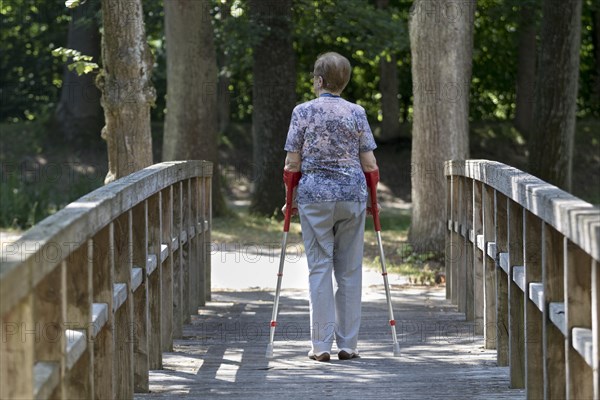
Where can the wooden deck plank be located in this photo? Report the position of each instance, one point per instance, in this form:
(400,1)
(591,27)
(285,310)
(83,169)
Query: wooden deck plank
(222,352)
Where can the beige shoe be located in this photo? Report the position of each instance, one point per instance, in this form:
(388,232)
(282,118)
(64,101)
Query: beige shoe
(344,355)
(323,357)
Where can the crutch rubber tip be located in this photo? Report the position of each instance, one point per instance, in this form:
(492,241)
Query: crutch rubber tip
(269,353)
(396,350)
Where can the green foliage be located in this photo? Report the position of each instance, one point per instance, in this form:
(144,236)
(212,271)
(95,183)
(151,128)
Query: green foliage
(34,185)
(27,199)
(234,37)
(30,74)
(495,60)
(154,18)
(362,33)
(354,28)
(588,100)
(81,63)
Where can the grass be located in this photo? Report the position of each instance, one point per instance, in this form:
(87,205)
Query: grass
(399,255)
(243,229)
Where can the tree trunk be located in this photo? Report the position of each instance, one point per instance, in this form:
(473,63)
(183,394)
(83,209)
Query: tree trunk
(223,60)
(273,101)
(224,97)
(79,114)
(551,147)
(596,44)
(526,70)
(441,37)
(390,104)
(191,120)
(127,91)
(388,87)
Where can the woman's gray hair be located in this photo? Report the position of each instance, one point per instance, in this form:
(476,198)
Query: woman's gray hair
(335,69)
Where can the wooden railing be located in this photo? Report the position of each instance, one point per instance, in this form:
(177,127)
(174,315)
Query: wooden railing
(92,296)
(522,259)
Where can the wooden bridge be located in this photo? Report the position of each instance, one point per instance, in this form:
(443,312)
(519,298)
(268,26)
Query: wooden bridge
(111,296)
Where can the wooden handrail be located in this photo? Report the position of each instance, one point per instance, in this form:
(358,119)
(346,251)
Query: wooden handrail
(92,295)
(522,259)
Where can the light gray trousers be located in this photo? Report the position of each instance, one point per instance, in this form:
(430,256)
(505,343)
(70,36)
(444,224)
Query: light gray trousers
(333,234)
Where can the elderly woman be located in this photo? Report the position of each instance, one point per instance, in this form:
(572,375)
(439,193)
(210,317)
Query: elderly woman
(331,143)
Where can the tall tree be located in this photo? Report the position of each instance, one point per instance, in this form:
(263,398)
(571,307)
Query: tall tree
(526,68)
(389,87)
(551,145)
(441,38)
(79,114)
(273,99)
(191,123)
(596,43)
(390,103)
(223,62)
(127,91)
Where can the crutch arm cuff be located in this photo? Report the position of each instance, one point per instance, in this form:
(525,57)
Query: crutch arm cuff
(372,178)
(291,180)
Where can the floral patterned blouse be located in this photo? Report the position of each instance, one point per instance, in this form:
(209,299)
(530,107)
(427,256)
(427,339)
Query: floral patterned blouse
(329,133)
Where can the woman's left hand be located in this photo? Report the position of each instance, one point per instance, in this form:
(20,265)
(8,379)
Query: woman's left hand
(370,210)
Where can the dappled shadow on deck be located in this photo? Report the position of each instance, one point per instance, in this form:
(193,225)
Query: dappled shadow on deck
(222,353)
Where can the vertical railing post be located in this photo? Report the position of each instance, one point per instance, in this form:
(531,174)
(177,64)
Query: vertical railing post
(79,379)
(449,227)
(207,268)
(516,301)
(501,280)
(177,261)
(194,265)
(554,341)
(167,269)
(186,308)
(477,257)
(202,244)
(49,313)
(104,340)
(489,266)
(462,270)
(596,326)
(199,224)
(154,283)
(456,248)
(139,216)
(16,354)
(123,360)
(578,313)
(534,356)
(467,221)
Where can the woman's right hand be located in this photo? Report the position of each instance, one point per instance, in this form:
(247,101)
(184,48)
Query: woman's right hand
(294,210)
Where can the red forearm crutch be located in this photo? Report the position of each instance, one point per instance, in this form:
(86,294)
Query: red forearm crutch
(372,180)
(290,179)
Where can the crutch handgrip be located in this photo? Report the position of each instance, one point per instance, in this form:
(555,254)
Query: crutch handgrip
(291,180)
(372,178)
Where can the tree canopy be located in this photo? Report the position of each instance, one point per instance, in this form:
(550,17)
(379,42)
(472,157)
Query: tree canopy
(32,76)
